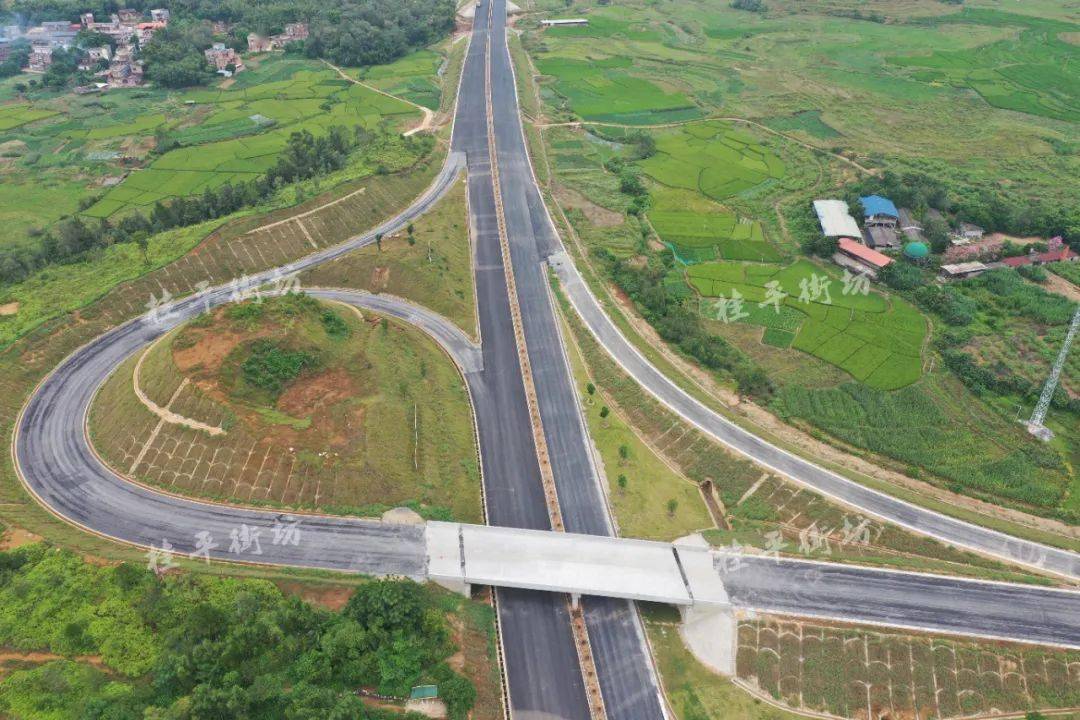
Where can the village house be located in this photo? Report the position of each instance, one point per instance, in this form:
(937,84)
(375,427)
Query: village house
(222,57)
(40,58)
(160,15)
(1056,251)
(880,220)
(129,16)
(92,56)
(966,233)
(860,259)
(294,32)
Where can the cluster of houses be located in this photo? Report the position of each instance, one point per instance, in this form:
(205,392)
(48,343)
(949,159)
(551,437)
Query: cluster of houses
(859,248)
(128,29)
(225,60)
(294,32)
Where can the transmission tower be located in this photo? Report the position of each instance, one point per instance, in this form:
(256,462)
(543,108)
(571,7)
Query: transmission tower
(1035,424)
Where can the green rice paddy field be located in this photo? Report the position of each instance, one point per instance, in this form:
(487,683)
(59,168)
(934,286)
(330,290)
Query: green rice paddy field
(877,340)
(62,153)
(982,92)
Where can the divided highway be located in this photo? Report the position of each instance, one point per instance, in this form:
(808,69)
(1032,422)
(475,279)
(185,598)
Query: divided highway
(55,461)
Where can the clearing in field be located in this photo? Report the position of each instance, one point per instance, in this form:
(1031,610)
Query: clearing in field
(413,77)
(877,340)
(296,403)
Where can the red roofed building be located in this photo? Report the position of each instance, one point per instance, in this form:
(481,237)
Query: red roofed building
(858,257)
(1057,251)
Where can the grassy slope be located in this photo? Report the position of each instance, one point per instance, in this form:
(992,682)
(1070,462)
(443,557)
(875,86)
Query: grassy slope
(434,270)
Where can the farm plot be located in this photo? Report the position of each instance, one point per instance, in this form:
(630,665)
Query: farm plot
(607,90)
(855,672)
(877,340)
(1031,73)
(266,114)
(12,116)
(711,158)
(413,77)
(322,408)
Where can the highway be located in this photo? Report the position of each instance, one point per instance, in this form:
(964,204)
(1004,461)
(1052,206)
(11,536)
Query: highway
(848,492)
(55,461)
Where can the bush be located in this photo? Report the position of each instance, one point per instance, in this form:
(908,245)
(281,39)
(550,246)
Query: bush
(269,367)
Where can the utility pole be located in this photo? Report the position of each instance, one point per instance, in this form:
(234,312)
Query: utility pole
(1035,424)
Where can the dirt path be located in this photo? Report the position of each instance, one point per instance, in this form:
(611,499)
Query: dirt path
(1061,286)
(164,413)
(429,116)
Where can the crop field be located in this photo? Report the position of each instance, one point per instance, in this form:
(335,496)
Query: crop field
(608,91)
(413,77)
(956,90)
(1068,270)
(714,159)
(62,153)
(755,502)
(877,340)
(935,425)
(1028,73)
(376,416)
(309,100)
(12,116)
(855,672)
(184,260)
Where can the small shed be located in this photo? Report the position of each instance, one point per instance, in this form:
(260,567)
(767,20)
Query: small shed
(859,258)
(881,211)
(424,699)
(916,251)
(959,271)
(836,221)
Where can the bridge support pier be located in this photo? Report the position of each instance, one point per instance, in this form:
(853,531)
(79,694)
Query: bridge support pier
(575,601)
(711,633)
(453,585)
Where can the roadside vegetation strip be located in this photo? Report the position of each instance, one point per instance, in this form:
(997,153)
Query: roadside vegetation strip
(795,663)
(756,503)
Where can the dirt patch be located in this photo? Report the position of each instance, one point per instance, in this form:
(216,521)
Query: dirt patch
(1073,38)
(1054,283)
(308,395)
(15,537)
(598,216)
(210,349)
(331,597)
(380,278)
(8,309)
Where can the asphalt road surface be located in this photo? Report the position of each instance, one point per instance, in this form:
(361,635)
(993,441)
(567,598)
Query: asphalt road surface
(56,462)
(864,499)
(923,602)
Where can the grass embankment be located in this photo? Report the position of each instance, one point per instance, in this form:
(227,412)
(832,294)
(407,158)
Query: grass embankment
(321,410)
(431,266)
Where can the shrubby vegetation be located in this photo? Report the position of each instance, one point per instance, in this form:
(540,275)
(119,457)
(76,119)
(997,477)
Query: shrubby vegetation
(681,325)
(186,647)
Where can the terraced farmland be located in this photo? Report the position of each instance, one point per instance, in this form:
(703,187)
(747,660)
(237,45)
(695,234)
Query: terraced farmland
(264,115)
(877,340)
(1032,73)
(607,91)
(12,116)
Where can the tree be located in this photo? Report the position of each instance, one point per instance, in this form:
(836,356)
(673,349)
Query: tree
(672,506)
(901,276)
(604,412)
(624,452)
(143,241)
(590,388)
(378,241)
(622,483)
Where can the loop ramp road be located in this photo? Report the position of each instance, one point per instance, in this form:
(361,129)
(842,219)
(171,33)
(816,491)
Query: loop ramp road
(56,462)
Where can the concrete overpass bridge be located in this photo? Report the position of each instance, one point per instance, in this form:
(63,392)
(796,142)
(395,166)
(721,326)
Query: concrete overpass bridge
(710,585)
